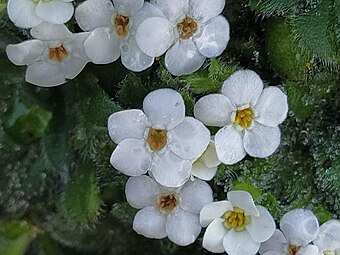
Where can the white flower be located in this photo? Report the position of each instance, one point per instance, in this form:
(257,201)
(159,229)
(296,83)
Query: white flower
(30,13)
(205,167)
(160,139)
(299,227)
(167,212)
(192,29)
(328,240)
(249,115)
(113,31)
(53,57)
(236,226)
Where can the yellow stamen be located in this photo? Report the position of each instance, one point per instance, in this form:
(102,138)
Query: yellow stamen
(244,117)
(293,249)
(236,219)
(121,23)
(157,139)
(187,28)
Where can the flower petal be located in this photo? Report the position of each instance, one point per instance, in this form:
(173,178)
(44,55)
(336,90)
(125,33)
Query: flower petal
(206,10)
(25,53)
(200,170)
(214,110)
(183,227)
(172,9)
(300,226)
(214,38)
(261,228)
(274,253)
(243,200)
(243,87)
(128,7)
(141,191)
(240,243)
(150,223)
(189,139)
(154,36)
(127,124)
(164,108)
(329,236)
(91,14)
(214,211)
(276,243)
(56,12)
(73,67)
(131,157)
(183,58)
(22,13)
(148,11)
(213,236)
(272,107)
(50,32)
(309,250)
(229,145)
(39,73)
(209,156)
(261,141)
(194,195)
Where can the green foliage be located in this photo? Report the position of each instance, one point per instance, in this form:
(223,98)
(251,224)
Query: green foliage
(274,7)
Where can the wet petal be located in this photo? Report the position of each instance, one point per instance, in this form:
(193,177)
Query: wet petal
(243,200)
(129,7)
(309,250)
(56,12)
(22,13)
(39,73)
(148,11)
(200,170)
(214,235)
(173,9)
(209,156)
(240,243)
(276,243)
(214,211)
(25,53)
(49,32)
(329,236)
(206,10)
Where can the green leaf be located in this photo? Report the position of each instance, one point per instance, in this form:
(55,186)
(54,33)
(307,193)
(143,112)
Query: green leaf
(14,228)
(247,186)
(296,93)
(274,7)
(124,212)
(322,214)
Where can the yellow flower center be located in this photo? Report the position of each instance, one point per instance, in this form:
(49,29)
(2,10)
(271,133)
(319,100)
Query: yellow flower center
(329,252)
(187,28)
(293,249)
(58,54)
(157,139)
(44,1)
(244,117)
(236,219)
(121,23)
(167,202)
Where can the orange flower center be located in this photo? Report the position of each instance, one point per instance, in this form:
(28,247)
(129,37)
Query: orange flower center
(58,54)
(187,28)
(167,202)
(157,139)
(121,23)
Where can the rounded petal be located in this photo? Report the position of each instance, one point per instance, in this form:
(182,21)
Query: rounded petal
(128,7)
(272,107)
(56,12)
(261,141)
(154,36)
(189,139)
(261,228)
(214,211)
(91,14)
(102,46)
(243,87)
(164,108)
(148,11)
(73,67)
(194,195)
(214,38)
(141,191)
(150,223)
(274,253)
(50,32)
(243,200)
(183,58)
(214,110)
(209,156)
(213,236)
(206,10)
(131,157)
(127,124)
(201,171)
(300,226)
(309,250)
(276,243)
(329,236)
(22,13)
(25,53)
(183,227)
(172,9)
(39,73)
(240,243)
(229,145)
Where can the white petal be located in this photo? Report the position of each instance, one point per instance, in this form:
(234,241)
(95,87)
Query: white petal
(39,73)
(276,243)
(164,108)
(189,139)
(183,58)
(229,145)
(128,7)
(22,13)
(141,191)
(56,12)
(272,107)
(91,14)
(261,228)
(200,170)
(150,223)
(170,170)
(50,32)
(206,10)
(243,87)
(308,250)
(25,53)
(102,46)
(261,141)
(213,236)
(209,156)
(243,200)
(214,110)
(173,9)
(214,38)
(132,56)
(154,36)
(274,253)
(214,211)
(300,226)
(240,243)
(194,195)
(148,11)
(329,236)
(183,227)
(127,124)
(73,67)
(131,157)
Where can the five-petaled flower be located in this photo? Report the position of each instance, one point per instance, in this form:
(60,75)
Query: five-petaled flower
(328,240)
